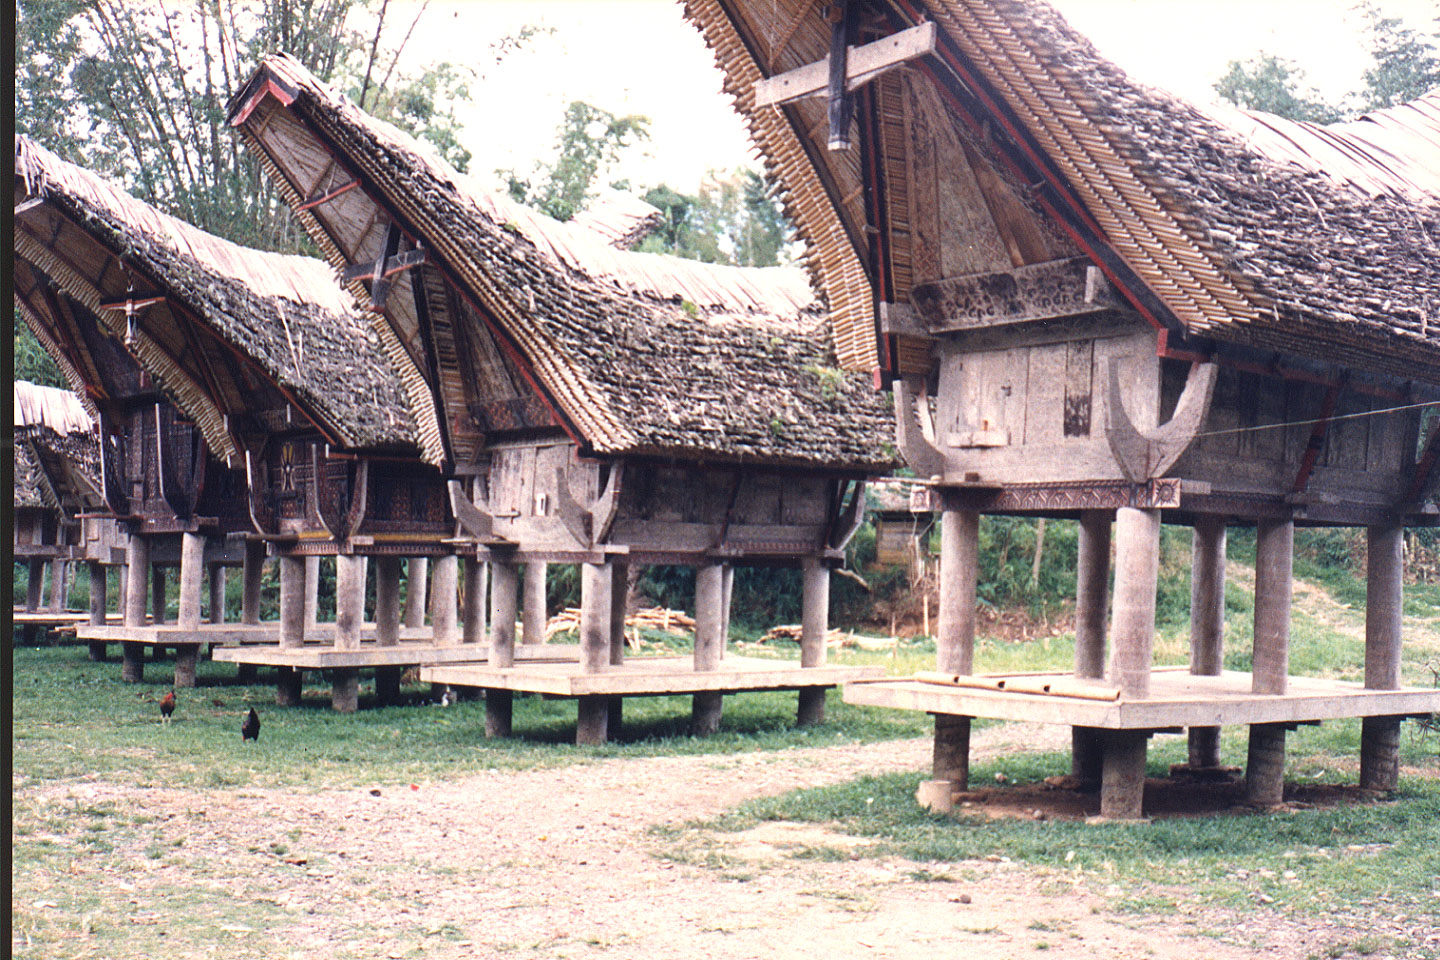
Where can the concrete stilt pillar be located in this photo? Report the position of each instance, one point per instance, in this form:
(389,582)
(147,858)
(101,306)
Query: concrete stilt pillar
(955,636)
(707,707)
(251,575)
(533,609)
(619,591)
(387,626)
(1122,779)
(1207,625)
(814,624)
(472,615)
(444,598)
(35,586)
(157,595)
(416,591)
(132,664)
(1380,736)
(98,588)
(192,572)
(504,586)
(216,584)
(1092,596)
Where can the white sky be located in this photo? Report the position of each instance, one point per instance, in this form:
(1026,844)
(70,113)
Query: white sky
(641,57)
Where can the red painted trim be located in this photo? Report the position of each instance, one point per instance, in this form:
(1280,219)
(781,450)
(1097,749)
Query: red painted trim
(338,191)
(268,88)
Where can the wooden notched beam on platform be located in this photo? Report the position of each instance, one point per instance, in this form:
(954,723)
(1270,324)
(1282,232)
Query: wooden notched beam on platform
(588,525)
(1039,291)
(862,64)
(1142,456)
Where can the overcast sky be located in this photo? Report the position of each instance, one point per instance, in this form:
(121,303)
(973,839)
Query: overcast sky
(640,56)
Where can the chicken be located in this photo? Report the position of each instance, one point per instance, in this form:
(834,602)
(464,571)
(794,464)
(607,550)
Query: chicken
(167,706)
(250,729)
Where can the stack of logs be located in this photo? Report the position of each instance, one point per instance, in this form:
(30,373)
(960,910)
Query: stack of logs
(654,618)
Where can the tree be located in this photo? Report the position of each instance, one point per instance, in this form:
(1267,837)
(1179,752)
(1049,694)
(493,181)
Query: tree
(1274,85)
(32,362)
(1406,65)
(733,219)
(589,141)
(137,93)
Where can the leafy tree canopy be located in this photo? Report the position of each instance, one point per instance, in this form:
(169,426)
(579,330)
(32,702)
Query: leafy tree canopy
(589,142)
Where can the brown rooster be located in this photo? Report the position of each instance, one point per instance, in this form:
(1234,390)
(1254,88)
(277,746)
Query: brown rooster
(167,706)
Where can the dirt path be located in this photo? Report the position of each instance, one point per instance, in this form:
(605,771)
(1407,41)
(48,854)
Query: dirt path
(563,863)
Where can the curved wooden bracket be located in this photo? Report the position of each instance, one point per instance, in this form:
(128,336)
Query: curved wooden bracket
(476,522)
(359,498)
(1143,456)
(255,482)
(919,452)
(851,519)
(589,525)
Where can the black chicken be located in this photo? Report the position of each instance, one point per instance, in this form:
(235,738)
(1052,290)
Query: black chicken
(250,729)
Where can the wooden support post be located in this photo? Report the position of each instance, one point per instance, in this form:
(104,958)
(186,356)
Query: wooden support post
(58,593)
(1380,736)
(1132,632)
(98,588)
(707,707)
(955,633)
(1122,780)
(187,661)
(415,591)
(289,684)
(293,592)
(1274,562)
(216,583)
(157,594)
(137,574)
(312,590)
(472,615)
(814,625)
(619,595)
(387,626)
(1265,765)
(192,571)
(727,591)
(594,711)
(1207,625)
(533,608)
(504,586)
(1092,595)
(349,600)
(252,574)
(444,597)
(35,587)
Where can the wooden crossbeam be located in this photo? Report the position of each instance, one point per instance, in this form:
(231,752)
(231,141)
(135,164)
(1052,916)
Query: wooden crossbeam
(131,304)
(1039,291)
(329,195)
(393,265)
(862,64)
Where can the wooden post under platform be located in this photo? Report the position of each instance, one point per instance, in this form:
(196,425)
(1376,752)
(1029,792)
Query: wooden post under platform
(349,615)
(58,593)
(593,715)
(1207,626)
(472,613)
(312,590)
(387,626)
(1132,640)
(215,581)
(504,584)
(533,607)
(192,569)
(444,598)
(814,625)
(137,573)
(1380,736)
(619,594)
(293,593)
(1274,564)
(1092,596)
(707,707)
(35,586)
(417,569)
(955,634)
(157,595)
(98,602)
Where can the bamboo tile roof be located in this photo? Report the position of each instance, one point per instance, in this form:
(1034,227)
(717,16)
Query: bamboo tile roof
(621,219)
(286,314)
(639,353)
(1316,241)
(52,423)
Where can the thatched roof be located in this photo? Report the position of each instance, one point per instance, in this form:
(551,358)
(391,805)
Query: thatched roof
(285,315)
(1319,242)
(52,430)
(636,353)
(620,219)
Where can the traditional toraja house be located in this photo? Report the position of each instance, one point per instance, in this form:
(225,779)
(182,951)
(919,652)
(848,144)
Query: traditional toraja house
(266,355)
(591,405)
(1093,300)
(57,497)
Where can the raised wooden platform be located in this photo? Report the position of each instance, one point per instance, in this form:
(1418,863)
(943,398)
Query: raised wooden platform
(369,654)
(230,634)
(647,676)
(48,619)
(1177,699)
